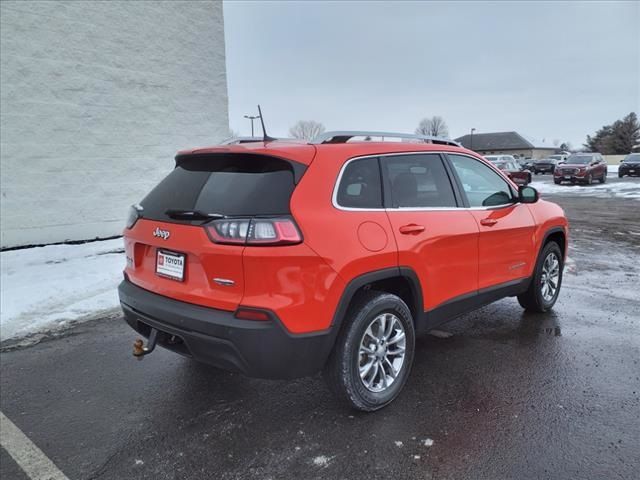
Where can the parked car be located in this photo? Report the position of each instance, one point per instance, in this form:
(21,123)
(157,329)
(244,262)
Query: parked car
(582,168)
(517,159)
(630,165)
(545,165)
(514,171)
(526,163)
(281,259)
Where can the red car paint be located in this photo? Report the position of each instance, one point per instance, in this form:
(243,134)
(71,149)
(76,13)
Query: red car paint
(302,284)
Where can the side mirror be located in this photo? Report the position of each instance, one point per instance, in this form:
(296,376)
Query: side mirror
(528,195)
(622,160)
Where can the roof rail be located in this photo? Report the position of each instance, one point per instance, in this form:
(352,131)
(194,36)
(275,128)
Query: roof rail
(345,136)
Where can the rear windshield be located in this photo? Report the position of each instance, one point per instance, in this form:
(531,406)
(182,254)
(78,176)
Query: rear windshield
(228,184)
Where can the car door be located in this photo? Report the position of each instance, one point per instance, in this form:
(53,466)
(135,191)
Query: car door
(603,166)
(438,240)
(506,242)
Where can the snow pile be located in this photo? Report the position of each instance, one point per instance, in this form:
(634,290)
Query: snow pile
(598,190)
(45,287)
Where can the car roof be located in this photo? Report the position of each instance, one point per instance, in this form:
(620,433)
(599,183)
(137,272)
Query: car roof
(305,153)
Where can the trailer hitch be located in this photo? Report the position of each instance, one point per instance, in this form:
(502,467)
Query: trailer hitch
(139,350)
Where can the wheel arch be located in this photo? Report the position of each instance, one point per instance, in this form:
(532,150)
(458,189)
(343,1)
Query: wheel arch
(400,281)
(558,235)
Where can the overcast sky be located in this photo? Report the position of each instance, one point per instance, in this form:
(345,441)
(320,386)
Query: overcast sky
(549,70)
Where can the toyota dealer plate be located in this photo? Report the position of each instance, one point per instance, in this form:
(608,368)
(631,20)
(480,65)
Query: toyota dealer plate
(170,265)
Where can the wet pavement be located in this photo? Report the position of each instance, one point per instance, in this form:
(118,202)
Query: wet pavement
(508,396)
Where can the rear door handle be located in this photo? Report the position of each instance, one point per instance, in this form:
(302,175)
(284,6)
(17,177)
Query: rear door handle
(411,229)
(488,222)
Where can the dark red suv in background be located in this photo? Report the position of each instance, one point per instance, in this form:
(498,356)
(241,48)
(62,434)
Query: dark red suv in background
(581,168)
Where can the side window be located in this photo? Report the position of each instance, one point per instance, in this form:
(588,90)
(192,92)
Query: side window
(483,186)
(418,181)
(360,185)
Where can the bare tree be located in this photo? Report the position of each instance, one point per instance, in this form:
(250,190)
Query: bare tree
(306,129)
(434,126)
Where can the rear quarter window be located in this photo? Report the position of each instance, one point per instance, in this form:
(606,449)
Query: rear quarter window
(360,185)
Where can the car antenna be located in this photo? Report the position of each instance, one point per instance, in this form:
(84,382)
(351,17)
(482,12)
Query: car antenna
(265,137)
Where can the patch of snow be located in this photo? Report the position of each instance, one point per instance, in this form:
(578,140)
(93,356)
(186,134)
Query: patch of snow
(322,461)
(440,334)
(44,287)
(416,457)
(595,263)
(427,442)
(598,190)
(398,443)
(139,462)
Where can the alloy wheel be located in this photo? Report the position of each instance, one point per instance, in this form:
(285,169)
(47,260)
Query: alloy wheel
(550,277)
(382,352)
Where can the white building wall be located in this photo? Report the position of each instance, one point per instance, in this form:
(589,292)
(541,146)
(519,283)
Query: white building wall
(95,99)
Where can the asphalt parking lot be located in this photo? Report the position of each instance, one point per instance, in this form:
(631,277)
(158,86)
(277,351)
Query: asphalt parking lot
(509,395)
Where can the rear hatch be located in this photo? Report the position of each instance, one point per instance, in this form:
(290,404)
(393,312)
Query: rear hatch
(191,229)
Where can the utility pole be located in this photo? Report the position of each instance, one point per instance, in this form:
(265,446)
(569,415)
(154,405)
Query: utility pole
(252,118)
(471,141)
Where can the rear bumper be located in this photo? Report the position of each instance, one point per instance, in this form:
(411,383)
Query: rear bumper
(263,349)
(571,177)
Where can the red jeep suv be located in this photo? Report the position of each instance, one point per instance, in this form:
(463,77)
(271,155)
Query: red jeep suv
(280,259)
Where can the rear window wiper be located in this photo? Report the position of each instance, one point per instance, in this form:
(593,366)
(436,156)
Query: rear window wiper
(192,215)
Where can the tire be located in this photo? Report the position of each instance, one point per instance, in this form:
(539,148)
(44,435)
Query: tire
(620,175)
(534,299)
(557,182)
(342,371)
(603,179)
(589,179)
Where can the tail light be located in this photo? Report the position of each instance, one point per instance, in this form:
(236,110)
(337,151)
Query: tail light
(134,214)
(254,231)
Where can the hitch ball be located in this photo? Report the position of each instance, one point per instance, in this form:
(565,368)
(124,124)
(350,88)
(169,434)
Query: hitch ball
(139,350)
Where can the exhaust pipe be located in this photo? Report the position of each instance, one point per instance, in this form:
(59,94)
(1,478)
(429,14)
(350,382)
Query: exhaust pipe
(139,350)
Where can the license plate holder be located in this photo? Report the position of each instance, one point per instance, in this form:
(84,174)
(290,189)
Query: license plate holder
(170,265)
(567,177)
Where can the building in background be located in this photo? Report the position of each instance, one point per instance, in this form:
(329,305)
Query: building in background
(508,143)
(96,98)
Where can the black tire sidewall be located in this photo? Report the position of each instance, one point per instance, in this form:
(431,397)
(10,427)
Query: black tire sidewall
(383,303)
(549,247)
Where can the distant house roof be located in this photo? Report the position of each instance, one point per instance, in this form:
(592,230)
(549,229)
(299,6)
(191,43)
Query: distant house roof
(501,141)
